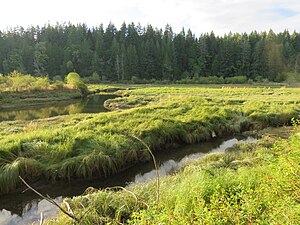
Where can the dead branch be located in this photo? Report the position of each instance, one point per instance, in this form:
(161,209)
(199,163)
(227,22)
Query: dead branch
(47,198)
(42,219)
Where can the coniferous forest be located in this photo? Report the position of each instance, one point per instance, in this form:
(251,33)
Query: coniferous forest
(133,52)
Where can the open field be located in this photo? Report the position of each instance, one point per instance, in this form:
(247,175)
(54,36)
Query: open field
(85,146)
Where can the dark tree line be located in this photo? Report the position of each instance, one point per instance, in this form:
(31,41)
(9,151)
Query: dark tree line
(136,52)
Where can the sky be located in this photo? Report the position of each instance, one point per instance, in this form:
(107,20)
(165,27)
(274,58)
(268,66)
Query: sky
(201,16)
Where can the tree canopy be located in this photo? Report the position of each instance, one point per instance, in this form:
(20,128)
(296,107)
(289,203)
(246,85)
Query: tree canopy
(145,53)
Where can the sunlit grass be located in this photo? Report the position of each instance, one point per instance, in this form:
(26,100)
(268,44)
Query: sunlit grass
(99,145)
(253,183)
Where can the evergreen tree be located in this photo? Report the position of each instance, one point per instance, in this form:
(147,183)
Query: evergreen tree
(132,67)
(227,57)
(258,66)
(203,57)
(244,57)
(274,61)
(40,59)
(181,55)
(98,56)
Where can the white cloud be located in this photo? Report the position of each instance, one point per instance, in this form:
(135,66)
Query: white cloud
(221,16)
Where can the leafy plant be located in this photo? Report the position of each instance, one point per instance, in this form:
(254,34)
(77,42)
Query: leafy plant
(74,81)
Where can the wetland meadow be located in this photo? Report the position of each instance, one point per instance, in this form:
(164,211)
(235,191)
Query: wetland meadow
(248,183)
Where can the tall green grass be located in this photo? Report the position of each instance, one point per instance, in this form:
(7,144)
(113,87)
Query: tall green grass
(21,100)
(99,145)
(253,183)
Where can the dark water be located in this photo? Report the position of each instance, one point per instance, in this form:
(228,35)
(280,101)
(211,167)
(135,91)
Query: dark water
(91,104)
(25,208)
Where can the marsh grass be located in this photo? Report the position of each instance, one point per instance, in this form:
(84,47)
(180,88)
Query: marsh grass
(98,145)
(10,172)
(264,189)
(19,100)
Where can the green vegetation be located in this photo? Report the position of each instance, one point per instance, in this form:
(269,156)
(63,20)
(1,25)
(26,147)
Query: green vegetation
(74,81)
(84,146)
(21,90)
(21,100)
(255,183)
(135,54)
(17,82)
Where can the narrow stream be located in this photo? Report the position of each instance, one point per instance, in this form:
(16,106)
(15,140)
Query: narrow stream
(25,208)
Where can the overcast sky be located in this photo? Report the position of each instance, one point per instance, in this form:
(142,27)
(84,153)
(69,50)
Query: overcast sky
(221,16)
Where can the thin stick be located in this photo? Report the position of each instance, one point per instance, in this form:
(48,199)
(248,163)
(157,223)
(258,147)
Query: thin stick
(155,165)
(42,219)
(68,206)
(51,201)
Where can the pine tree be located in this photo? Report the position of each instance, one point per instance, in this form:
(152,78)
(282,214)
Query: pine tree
(245,57)
(258,67)
(131,68)
(40,59)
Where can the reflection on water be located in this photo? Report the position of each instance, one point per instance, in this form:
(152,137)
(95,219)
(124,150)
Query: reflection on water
(91,104)
(172,165)
(25,208)
(31,212)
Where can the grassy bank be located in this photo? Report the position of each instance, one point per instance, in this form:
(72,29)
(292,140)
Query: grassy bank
(19,90)
(9,100)
(100,145)
(255,183)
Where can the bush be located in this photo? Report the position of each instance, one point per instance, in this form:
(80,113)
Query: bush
(74,81)
(57,78)
(94,79)
(20,82)
(236,80)
(202,80)
(214,80)
(136,80)
(292,77)
(58,85)
(17,82)
(41,83)
(211,80)
(3,81)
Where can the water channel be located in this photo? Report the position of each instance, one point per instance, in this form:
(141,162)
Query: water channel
(91,104)
(25,208)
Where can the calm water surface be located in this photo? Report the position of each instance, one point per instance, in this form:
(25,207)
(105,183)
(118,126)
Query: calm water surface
(91,104)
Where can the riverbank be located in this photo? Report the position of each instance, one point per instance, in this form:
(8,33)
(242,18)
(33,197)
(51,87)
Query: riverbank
(25,207)
(251,183)
(19,100)
(86,146)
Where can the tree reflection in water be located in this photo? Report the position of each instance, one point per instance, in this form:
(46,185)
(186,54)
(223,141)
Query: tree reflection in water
(92,104)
